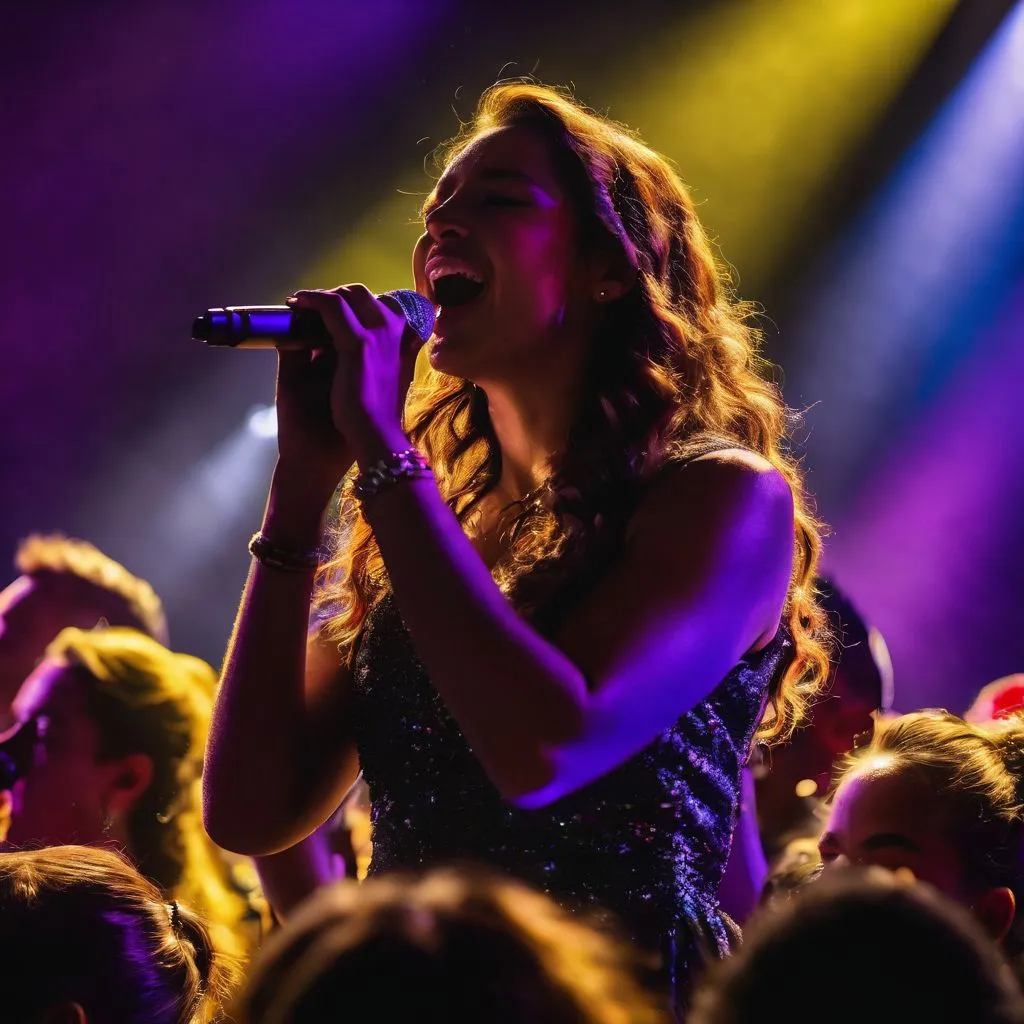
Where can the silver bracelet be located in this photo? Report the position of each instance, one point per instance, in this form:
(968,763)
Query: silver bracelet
(407,465)
(276,556)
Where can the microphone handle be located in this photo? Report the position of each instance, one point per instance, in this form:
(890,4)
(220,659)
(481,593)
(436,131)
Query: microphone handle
(278,327)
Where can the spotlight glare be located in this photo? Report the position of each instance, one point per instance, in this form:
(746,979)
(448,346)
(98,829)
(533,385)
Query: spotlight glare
(263,421)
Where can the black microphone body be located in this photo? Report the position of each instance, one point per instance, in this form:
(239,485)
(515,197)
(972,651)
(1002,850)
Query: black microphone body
(282,327)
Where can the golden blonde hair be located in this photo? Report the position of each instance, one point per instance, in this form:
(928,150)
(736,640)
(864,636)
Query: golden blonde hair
(450,946)
(976,772)
(676,363)
(146,699)
(80,924)
(124,599)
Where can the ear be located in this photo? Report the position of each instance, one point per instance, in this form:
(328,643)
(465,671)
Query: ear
(130,777)
(611,275)
(64,1013)
(996,910)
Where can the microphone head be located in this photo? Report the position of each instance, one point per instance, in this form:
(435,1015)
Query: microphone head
(201,329)
(212,326)
(418,311)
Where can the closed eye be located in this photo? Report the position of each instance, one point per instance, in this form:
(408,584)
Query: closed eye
(890,840)
(497,200)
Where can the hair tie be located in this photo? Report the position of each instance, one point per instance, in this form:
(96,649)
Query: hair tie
(175,915)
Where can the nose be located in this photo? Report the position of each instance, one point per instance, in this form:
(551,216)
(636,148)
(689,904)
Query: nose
(444,221)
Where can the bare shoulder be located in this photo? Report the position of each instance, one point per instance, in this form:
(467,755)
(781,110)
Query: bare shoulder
(743,457)
(705,567)
(713,490)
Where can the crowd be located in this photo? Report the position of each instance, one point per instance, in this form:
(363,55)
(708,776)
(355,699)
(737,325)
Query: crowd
(554,719)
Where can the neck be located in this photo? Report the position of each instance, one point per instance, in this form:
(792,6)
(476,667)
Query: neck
(531,424)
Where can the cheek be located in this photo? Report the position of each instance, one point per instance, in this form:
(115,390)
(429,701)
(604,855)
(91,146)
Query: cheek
(419,259)
(55,784)
(945,875)
(539,262)
(51,809)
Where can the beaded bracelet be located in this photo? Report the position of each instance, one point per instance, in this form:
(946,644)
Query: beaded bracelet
(274,556)
(407,465)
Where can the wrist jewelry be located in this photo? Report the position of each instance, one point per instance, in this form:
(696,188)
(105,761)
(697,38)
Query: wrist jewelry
(407,465)
(276,556)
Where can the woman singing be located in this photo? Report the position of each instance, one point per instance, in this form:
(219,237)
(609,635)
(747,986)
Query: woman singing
(575,579)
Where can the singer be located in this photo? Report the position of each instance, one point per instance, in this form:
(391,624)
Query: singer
(573,575)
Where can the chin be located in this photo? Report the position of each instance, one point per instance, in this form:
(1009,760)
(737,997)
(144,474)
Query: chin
(447,355)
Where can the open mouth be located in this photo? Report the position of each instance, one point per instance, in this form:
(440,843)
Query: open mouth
(456,289)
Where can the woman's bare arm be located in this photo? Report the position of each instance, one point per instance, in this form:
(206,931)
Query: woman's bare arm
(281,754)
(290,877)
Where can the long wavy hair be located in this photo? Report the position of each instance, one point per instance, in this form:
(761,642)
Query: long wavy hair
(676,362)
(146,699)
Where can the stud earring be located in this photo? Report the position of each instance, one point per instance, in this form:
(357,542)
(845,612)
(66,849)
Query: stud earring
(603,293)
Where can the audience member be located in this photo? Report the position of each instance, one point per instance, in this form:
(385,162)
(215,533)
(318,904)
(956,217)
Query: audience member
(999,699)
(941,797)
(107,751)
(85,939)
(66,582)
(791,783)
(859,946)
(449,947)
(784,788)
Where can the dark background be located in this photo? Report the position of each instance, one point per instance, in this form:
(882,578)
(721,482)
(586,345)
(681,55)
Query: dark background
(860,164)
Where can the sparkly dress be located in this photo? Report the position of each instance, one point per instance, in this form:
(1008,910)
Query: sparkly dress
(648,840)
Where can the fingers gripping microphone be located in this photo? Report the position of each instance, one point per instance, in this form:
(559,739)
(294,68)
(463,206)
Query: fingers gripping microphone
(283,327)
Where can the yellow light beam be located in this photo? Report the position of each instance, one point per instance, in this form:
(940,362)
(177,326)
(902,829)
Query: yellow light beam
(757,102)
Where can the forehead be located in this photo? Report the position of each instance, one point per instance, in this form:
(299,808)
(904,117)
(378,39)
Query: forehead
(53,686)
(516,149)
(881,794)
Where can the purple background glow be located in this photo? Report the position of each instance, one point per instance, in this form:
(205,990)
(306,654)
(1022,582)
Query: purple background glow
(167,157)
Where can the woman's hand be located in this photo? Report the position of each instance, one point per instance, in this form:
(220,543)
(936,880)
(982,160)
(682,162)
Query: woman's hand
(313,454)
(375,357)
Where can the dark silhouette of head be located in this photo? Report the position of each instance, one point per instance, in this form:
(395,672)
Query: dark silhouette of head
(798,773)
(451,947)
(863,945)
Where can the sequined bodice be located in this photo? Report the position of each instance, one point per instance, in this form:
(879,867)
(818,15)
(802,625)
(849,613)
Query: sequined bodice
(648,840)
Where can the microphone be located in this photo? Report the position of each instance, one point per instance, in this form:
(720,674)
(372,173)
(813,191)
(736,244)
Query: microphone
(285,328)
